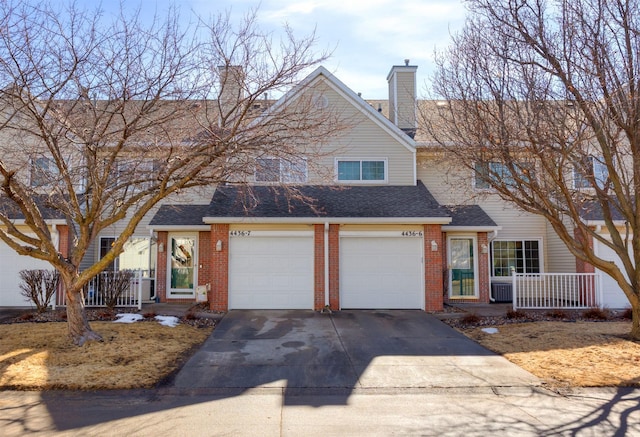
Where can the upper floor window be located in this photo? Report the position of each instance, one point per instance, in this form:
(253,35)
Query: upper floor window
(134,175)
(366,170)
(281,170)
(596,171)
(43,171)
(486,172)
(521,256)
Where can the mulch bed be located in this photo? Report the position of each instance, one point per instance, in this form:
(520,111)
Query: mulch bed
(471,320)
(195,316)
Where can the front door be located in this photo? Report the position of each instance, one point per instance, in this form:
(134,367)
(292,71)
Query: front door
(462,283)
(181,271)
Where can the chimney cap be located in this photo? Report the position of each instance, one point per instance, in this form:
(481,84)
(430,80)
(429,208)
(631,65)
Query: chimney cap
(406,62)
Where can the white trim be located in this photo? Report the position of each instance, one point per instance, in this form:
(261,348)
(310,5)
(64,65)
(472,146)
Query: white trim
(476,273)
(603,223)
(378,234)
(361,181)
(168,289)
(447,228)
(179,228)
(247,233)
(53,222)
(541,257)
(331,220)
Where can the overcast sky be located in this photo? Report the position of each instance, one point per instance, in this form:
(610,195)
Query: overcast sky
(367,37)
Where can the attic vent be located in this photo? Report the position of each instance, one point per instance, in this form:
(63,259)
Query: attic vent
(320,101)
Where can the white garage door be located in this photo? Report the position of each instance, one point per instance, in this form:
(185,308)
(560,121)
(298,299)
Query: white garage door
(10,264)
(381,272)
(612,294)
(270,270)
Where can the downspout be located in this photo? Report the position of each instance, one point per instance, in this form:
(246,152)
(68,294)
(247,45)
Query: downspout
(326,265)
(489,240)
(55,235)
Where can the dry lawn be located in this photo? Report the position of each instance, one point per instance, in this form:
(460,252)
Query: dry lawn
(36,356)
(580,354)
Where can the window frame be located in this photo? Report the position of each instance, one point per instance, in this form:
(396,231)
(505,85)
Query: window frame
(287,171)
(384,161)
(523,265)
(41,176)
(597,169)
(484,167)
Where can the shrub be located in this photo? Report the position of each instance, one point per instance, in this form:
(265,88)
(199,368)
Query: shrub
(470,319)
(39,286)
(595,314)
(516,314)
(557,314)
(111,285)
(627,314)
(25,317)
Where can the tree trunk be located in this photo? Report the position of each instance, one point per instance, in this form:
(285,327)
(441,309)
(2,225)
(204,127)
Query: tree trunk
(79,330)
(635,322)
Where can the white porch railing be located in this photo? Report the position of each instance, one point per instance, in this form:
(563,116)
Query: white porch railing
(131,297)
(556,291)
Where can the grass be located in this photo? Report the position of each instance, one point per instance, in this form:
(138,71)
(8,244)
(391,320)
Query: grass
(577,354)
(39,356)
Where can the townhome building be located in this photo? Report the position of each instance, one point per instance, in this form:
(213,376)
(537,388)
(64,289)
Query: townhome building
(372,222)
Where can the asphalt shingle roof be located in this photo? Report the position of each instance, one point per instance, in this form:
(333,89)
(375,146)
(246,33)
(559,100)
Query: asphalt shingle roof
(180,215)
(591,210)
(326,201)
(322,201)
(46,204)
(469,215)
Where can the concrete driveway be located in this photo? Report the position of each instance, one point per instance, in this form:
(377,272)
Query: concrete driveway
(345,350)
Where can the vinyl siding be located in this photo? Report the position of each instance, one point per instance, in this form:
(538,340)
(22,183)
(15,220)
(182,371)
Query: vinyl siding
(559,259)
(363,139)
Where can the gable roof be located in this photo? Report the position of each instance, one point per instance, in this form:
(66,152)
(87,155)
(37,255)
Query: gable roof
(348,94)
(313,203)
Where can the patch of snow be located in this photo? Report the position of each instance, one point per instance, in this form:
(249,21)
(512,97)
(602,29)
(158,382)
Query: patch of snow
(170,321)
(128,318)
(490,330)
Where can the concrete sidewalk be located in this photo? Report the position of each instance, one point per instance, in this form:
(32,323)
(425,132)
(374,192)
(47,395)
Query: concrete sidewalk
(473,412)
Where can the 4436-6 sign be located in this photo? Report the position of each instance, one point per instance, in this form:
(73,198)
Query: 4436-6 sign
(411,233)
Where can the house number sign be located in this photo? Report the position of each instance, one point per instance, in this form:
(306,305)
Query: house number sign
(239,233)
(411,233)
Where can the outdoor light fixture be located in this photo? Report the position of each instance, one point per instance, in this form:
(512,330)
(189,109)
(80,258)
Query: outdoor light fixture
(219,246)
(434,246)
(161,247)
(485,248)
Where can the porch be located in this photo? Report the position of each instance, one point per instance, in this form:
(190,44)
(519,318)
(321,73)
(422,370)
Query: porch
(104,290)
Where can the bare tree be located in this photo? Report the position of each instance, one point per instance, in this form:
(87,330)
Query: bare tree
(550,90)
(109,117)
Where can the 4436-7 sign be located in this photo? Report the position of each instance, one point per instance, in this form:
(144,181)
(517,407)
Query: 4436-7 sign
(239,233)
(411,233)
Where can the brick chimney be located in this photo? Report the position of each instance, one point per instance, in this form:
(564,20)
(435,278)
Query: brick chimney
(402,97)
(232,78)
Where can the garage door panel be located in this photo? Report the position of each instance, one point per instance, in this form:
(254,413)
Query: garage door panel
(612,294)
(381,272)
(271,272)
(10,265)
